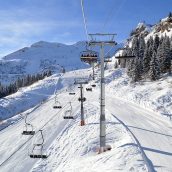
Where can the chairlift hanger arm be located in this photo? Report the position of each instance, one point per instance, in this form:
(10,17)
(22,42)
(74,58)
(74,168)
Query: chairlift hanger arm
(42,137)
(71,107)
(25,120)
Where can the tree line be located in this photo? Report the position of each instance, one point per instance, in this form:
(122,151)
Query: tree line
(22,82)
(152,58)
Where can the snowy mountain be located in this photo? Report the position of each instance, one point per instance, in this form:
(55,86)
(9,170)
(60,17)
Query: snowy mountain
(41,56)
(162,28)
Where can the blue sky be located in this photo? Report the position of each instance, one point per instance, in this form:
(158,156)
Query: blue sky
(23,22)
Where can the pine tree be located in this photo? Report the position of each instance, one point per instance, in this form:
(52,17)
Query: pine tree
(116,65)
(146,61)
(170,15)
(135,47)
(1,90)
(131,65)
(150,50)
(136,70)
(141,47)
(150,42)
(166,57)
(156,43)
(154,72)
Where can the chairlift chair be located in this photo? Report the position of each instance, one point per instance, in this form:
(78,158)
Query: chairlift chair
(83,99)
(57,107)
(93,85)
(57,104)
(28,128)
(89,89)
(40,149)
(89,56)
(68,113)
(72,92)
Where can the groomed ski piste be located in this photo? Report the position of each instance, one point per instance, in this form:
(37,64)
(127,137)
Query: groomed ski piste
(141,139)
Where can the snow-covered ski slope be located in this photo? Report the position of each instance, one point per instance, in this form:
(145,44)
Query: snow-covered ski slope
(140,139)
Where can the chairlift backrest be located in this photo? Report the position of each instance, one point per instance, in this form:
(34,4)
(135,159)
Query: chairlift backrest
(68,113)
(40,146)
(42,139)
(28,128)
(27,124)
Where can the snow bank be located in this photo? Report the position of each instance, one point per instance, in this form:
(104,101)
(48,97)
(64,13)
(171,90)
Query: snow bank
(156,95)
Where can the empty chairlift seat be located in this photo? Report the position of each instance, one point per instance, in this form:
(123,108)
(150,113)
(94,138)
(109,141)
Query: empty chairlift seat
(68,113)
(88,89)
(93,85)
(57,104)
(72,93)
(38,151)
(28,128)
(71,90)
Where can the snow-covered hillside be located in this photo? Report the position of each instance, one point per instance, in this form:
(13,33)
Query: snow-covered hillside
(156,95)
(42,56)
(71,147)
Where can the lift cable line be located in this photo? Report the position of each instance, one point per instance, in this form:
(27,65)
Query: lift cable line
(108,17)
(84,18)
(108,41)
(111,14)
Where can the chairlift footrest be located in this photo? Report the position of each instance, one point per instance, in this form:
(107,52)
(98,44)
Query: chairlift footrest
(83,99)
(88,89)
(38,156)
(28,132)
(57,107)
(71,93)
(68,117)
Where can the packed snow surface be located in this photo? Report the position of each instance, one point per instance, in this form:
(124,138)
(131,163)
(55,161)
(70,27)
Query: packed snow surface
(139,136)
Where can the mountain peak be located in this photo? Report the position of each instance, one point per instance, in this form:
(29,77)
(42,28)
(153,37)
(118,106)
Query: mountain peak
(47,44)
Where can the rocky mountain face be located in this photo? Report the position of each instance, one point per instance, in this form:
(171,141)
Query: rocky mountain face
(162,28)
